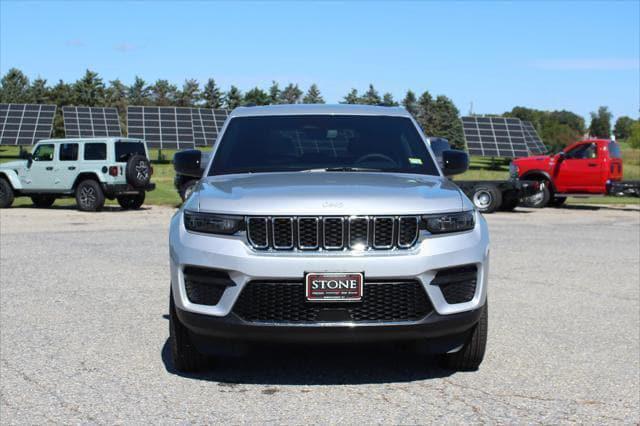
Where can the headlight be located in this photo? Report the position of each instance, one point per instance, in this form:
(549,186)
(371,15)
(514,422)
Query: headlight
(209,223)
(449,222)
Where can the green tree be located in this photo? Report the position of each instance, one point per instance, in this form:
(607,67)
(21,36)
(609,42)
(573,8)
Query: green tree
(211,95)
(352,97)
(274,93)
(313,95)
(116,94)
(256,96)
(410,103)
(164,93)
(233,98)
(291,94)
(39,93)
(190,93)
(371,96)
(446,122)
(425,116)
(139,93)
(89,90)
(61,94)
(622,129)
(634,135)
(600,126)
(568,118)
(14,87)
(387,100)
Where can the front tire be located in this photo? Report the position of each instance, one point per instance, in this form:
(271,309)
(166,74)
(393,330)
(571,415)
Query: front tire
(89,196)
(133,202)
(558,201)
(43,201)
(186,357)
(510,201)
(541,198)
(472,353)
(6,194)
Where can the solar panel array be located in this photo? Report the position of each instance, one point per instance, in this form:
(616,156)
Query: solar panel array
(495,137)
(88,122)
(207,124)
(534,143)
(25,124)
(161,127)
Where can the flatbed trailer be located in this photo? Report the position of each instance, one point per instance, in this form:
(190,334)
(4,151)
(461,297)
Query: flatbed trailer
(491,195)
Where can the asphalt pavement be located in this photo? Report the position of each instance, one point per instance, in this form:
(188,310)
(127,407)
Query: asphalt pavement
(83,333)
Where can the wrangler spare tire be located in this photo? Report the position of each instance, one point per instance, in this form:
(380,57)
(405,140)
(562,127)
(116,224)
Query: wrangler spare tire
(138,171)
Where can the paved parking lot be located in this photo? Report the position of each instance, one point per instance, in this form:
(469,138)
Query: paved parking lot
(83,331)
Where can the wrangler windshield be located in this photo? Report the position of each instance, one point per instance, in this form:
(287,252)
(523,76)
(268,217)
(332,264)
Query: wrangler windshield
(316,143)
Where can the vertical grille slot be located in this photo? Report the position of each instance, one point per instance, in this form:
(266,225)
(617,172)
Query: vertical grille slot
(308,233)
(359,232)
(257,232)
(383,232)
(333,233)
(283,233)
(407,231)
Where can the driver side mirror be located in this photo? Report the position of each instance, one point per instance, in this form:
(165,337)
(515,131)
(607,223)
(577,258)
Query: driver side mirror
(561,156)
(454,162)
(29,157)
(188,162)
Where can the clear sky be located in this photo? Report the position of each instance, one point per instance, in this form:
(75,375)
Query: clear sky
(547,55)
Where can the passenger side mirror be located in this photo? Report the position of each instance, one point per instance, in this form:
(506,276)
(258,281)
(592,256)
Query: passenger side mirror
(561,156)
(188,162)
(454,162)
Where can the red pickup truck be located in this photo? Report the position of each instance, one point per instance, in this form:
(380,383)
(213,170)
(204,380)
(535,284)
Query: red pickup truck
(588,167)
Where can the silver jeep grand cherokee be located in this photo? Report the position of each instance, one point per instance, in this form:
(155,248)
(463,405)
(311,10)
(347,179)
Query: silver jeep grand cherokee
(319,223)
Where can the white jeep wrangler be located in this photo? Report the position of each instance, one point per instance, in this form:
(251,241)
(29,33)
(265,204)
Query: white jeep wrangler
(88,169)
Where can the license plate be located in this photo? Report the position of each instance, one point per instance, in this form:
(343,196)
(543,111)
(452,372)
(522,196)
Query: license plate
(334,287)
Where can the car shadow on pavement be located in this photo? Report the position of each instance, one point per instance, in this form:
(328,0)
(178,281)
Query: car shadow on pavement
(74,207)
(598,207)
(318,365)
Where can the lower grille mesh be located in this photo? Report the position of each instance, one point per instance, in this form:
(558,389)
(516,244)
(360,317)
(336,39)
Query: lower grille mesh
(458,285)
(284,302)
(205,286)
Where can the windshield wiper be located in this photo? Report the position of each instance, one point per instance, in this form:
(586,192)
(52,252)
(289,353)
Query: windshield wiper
(343,169)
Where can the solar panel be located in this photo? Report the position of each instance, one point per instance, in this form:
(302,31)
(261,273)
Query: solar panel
(495,137)
(88,122)
(534,143)
(161,127)
(25,124)
(207,124)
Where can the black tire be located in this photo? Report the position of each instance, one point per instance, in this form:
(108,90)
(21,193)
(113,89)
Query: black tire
(486,197)
(138,171)
(557,201)
(89,196)
(6,194)
(131,202)
(510,201)
(43,201)
(541,199)
(186,188)
(186,357)
(472,353)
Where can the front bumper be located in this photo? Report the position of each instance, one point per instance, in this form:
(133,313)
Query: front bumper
(243,264)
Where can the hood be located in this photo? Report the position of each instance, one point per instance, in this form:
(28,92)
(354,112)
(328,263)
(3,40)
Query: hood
(327,193)
(14,164)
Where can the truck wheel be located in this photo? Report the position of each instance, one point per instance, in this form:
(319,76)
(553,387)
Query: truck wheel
(186,357)
(43,201)
(487,198)
(6,194)
(472,353)
(138,171)
(539,199)
(558,201)
(187,188)
(510,201)
(89,196)
(131,201)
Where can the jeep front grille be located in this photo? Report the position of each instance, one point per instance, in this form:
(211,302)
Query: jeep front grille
(332,232)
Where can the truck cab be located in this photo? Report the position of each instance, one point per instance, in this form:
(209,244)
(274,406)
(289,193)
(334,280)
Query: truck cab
(586,167)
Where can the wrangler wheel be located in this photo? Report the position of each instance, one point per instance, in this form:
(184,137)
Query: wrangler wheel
(89,196)
(6,194)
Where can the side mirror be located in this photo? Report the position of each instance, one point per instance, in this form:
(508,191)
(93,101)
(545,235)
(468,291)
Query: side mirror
(188,162)
(29,157)
(454,162)
(561,156)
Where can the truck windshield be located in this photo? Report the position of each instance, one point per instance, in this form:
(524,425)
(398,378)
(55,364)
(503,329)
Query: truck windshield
(322,142)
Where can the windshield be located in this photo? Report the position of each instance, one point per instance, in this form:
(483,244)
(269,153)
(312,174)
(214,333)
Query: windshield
(322,142)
